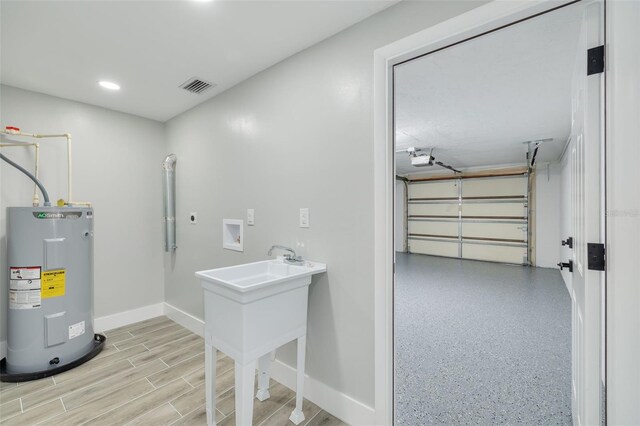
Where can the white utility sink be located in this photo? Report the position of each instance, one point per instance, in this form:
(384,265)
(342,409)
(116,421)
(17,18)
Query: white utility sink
(250,310)
(251,281)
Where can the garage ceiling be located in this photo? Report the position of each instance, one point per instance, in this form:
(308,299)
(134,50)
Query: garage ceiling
(477,102)
(63,48)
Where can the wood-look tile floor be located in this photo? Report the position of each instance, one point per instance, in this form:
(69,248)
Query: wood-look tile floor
(149,373)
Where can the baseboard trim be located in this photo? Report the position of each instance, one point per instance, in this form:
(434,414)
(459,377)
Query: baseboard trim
(337,403)
(120,319)
(185,319)
(344,407)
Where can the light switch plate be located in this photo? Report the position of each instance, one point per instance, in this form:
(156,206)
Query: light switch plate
(250,217)
(193,218)
(304,218)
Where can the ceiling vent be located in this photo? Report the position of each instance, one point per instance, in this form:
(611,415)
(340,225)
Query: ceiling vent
(195,85)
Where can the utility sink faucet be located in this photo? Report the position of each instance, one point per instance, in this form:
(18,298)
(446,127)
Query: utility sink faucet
(288,257)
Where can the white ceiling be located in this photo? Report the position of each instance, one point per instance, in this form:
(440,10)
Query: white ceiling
(63,48)
(476,103)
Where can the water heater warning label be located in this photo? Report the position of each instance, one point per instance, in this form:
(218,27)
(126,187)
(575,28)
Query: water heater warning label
(53,283)
(24,273)
(24,299)
(24,287)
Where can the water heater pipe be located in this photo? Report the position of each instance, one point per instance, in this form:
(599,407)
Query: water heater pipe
(45,194)
(36,199)
(169,192)
(14,132)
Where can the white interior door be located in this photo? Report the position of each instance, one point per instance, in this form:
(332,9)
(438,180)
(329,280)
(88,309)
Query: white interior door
(587,193)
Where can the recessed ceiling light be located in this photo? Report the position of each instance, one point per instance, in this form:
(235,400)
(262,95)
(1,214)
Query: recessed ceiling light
(109,85)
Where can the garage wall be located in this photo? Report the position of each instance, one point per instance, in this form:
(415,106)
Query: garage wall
(548,206)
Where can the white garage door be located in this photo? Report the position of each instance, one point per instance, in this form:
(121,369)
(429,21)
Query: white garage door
(482,218)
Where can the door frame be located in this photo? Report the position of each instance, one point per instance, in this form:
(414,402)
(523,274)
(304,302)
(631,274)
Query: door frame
(475,23)
(622,28)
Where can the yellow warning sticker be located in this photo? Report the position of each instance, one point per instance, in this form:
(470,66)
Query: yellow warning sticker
(53,283)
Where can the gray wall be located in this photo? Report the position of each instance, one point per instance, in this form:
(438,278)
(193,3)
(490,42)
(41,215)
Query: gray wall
(117,165)
(297,135)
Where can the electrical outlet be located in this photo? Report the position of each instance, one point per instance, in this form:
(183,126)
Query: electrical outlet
(250,217)
(193,218)
(304,218)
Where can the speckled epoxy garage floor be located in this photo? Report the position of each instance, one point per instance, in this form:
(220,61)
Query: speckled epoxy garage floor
(480,343)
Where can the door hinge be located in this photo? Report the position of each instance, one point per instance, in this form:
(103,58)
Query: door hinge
(595,60)
(596,256)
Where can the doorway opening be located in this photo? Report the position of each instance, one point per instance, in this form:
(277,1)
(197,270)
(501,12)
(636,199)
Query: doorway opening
(497,312)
